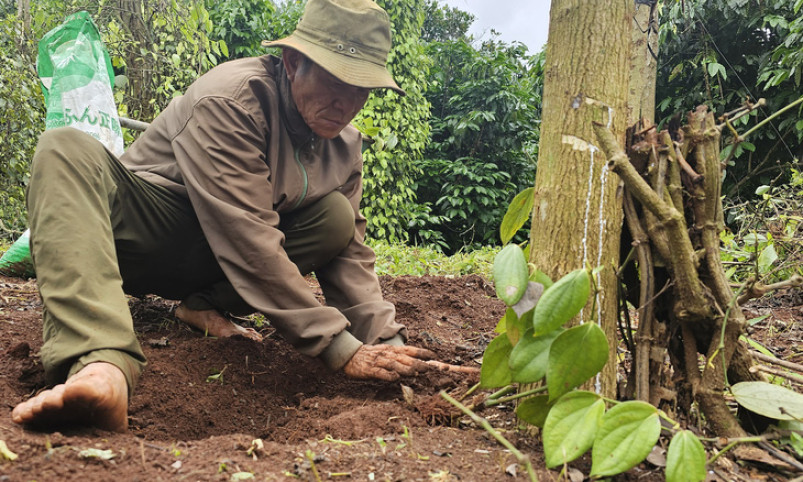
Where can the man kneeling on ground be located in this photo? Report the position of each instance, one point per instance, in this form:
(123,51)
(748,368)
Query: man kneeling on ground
(246,183)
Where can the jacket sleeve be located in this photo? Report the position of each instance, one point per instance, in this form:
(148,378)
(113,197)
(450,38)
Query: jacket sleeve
(220,152)
(350,284)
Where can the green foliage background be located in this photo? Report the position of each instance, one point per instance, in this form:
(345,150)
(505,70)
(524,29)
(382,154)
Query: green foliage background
(721,52)
(400,127)
(22,119)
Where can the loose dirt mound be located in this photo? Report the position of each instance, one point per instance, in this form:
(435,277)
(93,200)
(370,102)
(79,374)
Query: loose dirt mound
(202,402)
(223,409)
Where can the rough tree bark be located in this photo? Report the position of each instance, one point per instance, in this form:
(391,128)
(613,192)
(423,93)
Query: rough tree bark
(643,64)
(139,66)
(648,344)
(682,198)
(577,214)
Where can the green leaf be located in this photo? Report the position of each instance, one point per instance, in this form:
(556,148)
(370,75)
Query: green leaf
(576,355)
(517,214)
(773,401)
(571,426)
(756,345)
(528,360)
(539,276)
(494,371)
(501,326)
(510,274)
(514,326)
(561,302)
(685,459)
(627,435)
(714,68)
(762,190)
(534,410)
(757,319)
(767,257)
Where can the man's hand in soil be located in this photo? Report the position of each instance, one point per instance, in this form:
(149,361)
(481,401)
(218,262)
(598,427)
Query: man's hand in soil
(387,362)
(95,396)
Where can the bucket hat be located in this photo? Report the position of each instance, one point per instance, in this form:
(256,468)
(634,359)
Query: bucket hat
(350,39)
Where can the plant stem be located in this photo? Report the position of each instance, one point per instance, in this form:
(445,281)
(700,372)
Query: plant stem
(311,458)
(721,346)
(470,391)
(523,459)
(503,391)
(774,115)
(496,401)
(733,443)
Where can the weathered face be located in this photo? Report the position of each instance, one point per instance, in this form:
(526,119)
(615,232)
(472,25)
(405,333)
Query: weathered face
(326,104)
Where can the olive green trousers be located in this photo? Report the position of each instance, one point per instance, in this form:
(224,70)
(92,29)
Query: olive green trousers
(99,232)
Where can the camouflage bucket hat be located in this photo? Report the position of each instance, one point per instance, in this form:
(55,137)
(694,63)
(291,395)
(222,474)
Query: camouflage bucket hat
(350,39)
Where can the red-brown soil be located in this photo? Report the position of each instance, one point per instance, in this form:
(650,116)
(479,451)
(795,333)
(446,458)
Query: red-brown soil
(312,424)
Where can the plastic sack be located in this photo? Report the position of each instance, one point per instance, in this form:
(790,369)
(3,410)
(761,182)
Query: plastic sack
(77,80)
(17,260)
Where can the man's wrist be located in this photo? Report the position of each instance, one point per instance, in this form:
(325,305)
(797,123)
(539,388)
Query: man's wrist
(343,346)
(396,340)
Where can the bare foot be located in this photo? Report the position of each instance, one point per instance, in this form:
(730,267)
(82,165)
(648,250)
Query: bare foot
(95,396)
(213,323)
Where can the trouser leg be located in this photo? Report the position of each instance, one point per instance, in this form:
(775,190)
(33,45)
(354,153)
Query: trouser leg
(70,203)
(97,232)
(314,235)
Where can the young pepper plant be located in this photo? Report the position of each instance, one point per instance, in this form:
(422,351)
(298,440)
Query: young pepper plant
(533,346)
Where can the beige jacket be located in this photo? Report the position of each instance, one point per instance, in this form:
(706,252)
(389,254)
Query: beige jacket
(236,146)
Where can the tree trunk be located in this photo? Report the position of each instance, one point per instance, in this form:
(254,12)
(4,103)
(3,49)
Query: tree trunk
(648,345)
(24,15)
(577,215)
(139,67)
(643,64)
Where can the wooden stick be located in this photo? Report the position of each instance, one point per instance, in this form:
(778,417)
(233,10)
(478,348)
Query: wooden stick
(778,361)
(445,367)
(777,372)
(133,124)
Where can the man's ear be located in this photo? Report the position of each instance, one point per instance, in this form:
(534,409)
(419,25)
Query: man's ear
(291,60)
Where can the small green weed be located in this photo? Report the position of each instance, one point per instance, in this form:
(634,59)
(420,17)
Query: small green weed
(398,260)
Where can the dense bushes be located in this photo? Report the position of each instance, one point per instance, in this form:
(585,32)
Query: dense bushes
(22,119)
(485,114)
(720,53)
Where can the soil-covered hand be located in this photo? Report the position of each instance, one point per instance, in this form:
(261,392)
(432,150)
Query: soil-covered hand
(387,362)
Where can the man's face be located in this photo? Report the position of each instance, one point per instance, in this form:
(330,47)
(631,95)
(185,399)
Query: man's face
(326,104)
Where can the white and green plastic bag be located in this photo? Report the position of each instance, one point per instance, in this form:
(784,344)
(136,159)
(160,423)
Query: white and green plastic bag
(77,81)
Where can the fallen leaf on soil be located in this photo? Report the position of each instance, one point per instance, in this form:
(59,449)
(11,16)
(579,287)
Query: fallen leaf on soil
(256,446)
(159,343)
(511,469)
(575,475)
(241,476)
(97,454)
(755,454)
(6,453)
(657,457)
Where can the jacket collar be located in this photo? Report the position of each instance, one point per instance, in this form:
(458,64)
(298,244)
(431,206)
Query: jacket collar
(300,133)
